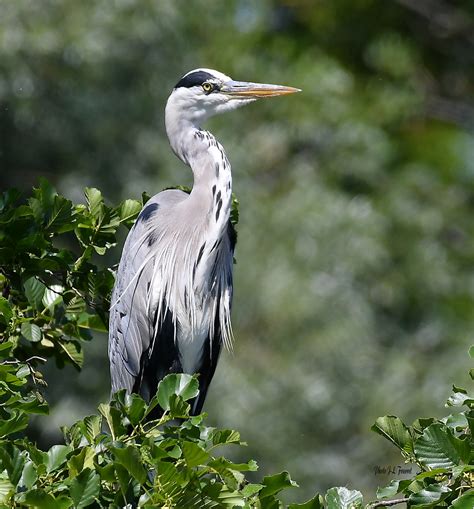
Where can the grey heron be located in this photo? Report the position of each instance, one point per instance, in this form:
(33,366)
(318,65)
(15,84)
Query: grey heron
(172,297)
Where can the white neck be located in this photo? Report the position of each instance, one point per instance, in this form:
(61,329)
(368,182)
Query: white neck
(212,190)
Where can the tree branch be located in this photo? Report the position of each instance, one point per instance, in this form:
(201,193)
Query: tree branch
(387,503)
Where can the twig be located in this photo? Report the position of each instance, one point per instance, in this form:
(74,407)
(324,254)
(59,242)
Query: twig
(387,503)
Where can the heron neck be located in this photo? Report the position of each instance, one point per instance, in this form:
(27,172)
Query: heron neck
(212,189)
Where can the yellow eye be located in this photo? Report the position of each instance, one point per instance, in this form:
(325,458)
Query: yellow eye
(207,87)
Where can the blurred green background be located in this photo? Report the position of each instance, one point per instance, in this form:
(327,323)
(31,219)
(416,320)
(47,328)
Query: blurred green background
(354,288)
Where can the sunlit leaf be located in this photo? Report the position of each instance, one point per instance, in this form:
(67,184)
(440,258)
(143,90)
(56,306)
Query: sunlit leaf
(273,484)
(73,351)
(135,407)
(16,423)
(78,462)
(429,496)
(31,332)
(182,385)
(52,296)
(394,429)
(94,200)
(438,448)
(28,475)
(343,498)
(6,488)
(129,209)
(56,456)
(34,291)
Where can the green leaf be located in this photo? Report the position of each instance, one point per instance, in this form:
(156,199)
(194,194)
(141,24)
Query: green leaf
(251,489)
(31,332)
(422,423)
(56,456)
(91,321)
(129,209)
(85,488)
(388,491)
(342,498)
(6,488)
(317,502)
(465,501)
(92,426)
(130,458)
(273,484)
(230,498)
(224,436)
(456,421)
(395,486)
(113,418)
(78,462)
(52,296)
(135,408)
(394,429)
(438,448)
(45,193)
(95,202)
(13,460)
(39,499)
(28,476)
(194,454)
(459,397)
(60,218)
(179,409)
(16,423)
(428,497)
(74,351)
(182,385)
(221,463)
(5,349)
(34,291)
(234,213)
(5,310)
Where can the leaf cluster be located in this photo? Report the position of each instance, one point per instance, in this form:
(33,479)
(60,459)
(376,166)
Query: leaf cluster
(443,451)
(119,458)
(52,294)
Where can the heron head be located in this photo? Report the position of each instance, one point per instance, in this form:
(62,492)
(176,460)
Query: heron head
(202,93)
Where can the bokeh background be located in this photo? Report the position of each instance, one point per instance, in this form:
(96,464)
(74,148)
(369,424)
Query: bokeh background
(354,283)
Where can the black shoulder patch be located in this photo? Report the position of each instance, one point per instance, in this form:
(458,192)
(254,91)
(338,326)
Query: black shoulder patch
(148,211)
(194,79)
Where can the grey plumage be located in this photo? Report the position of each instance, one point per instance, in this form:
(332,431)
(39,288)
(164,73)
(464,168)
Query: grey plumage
(172,297)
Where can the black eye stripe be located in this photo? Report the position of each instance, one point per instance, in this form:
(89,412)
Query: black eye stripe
(194,79)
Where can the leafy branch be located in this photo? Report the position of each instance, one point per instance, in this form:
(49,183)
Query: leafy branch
(53,296)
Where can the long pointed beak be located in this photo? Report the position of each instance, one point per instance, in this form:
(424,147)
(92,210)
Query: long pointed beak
(247,90)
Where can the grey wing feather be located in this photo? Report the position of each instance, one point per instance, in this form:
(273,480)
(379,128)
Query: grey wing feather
(131,326)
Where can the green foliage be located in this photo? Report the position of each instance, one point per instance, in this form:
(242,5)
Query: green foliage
(443,449)
(356,252)
(52,296)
